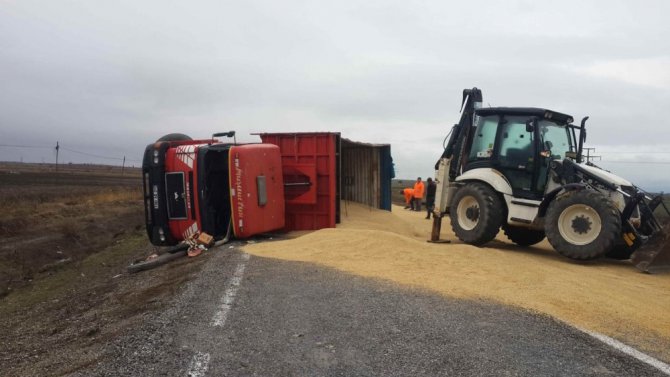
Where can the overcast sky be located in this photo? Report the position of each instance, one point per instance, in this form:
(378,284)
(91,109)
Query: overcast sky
(109,77)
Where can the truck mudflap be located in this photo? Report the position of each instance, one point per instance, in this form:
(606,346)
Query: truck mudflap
(653,252)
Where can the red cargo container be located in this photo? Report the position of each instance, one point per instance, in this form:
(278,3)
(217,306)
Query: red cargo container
(314,158)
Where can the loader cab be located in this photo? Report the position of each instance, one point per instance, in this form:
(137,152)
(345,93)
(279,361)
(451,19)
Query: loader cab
(520,143)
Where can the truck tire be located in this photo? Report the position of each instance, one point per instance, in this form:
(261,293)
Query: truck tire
(175,137)
(523,236)
(582,224)
(476,213)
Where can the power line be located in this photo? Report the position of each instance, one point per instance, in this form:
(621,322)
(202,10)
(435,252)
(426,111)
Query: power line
(25,146)
(91,154)
(69,150)
(643,152)
(637,162)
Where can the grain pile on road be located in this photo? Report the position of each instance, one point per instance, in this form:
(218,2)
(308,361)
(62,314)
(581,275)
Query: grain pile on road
(607,296)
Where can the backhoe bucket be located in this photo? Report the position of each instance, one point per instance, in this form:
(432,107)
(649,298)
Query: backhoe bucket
(654,256)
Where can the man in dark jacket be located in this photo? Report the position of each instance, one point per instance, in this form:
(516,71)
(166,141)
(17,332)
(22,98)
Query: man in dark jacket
(430,196)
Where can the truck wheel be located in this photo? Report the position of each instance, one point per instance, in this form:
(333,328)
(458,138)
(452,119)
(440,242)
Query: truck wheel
(476,213)
(175,137)
(582,224)
(523,236)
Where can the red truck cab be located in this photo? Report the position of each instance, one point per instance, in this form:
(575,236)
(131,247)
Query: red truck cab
(222,189)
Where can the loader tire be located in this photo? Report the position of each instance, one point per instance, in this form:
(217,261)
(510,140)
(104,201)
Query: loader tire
(523,236)
(476,213)
(175,137)
(582,224)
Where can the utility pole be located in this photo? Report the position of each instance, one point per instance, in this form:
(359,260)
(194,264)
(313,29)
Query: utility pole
(57,148)
(123,167)
(589,156)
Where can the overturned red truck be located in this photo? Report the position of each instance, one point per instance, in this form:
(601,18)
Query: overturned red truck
(207,186)
(289,181)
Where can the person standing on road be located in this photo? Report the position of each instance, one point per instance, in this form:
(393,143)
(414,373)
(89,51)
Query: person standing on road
(418,194)
(430,196)
(409,195)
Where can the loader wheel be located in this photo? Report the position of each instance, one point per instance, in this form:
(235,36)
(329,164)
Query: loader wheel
(476,214)
(523,236)
(582,224)
(175,137)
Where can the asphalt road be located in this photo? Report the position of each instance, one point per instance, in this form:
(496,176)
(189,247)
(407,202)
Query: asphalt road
(295,319)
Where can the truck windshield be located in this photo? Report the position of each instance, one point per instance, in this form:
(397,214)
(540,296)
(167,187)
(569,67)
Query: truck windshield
(555,138)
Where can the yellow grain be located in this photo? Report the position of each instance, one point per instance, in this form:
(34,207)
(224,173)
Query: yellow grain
(610,297)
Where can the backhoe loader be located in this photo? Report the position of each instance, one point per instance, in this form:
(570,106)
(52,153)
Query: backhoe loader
(522,169)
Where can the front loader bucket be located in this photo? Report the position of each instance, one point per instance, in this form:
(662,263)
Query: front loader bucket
(654,256)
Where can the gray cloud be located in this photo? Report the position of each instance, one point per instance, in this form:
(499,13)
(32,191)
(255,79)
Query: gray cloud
(109,77)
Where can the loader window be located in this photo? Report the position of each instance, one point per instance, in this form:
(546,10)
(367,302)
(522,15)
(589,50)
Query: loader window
(484,138)
(556,140)
(517,155)
(516,145)
(558,137)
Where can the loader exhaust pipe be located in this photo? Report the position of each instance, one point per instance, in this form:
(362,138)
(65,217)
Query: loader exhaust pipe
(582,139)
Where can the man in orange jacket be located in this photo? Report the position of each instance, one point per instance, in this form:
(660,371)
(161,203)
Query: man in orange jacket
(418,194)
(409,195)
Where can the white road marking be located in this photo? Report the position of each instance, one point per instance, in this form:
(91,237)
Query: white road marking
(199,365)
(200,362)
(221,315)
(628,350)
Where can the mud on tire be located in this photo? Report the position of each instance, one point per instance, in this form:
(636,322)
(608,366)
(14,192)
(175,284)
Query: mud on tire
(582,224)
(476,213)
(523,236)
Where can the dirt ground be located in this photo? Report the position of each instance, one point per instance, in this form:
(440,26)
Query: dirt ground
(67,238)
(607,296)
(52,218)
